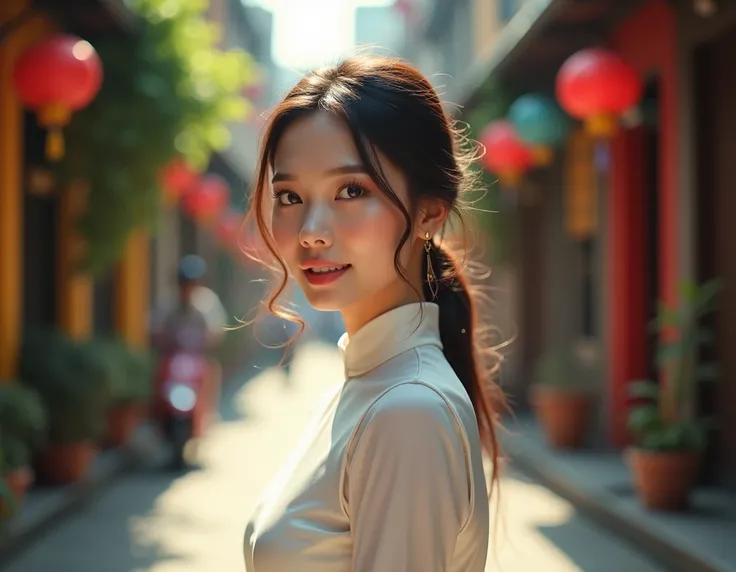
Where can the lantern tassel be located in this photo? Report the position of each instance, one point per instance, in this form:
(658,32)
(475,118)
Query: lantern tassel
(543,155)
(603,125)
(54,144)
(510,179)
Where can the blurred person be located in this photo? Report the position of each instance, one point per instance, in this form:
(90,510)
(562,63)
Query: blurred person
(196,319)
(359,171)
(195,322)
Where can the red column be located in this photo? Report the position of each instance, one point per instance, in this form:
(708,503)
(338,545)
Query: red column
(647,39)
(626,275)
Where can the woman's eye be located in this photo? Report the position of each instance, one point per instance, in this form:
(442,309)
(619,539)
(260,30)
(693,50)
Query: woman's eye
(351,192)
(287,198)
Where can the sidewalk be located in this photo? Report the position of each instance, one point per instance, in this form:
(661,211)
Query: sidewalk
(599,484)
(45,507)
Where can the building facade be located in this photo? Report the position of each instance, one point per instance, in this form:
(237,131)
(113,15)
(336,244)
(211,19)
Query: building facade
(657,190)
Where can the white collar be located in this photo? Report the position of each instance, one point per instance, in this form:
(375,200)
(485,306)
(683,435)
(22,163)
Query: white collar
(389,335)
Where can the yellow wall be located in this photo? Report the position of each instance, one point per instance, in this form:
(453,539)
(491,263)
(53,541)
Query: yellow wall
(11,183)
(75,293)
(131,291)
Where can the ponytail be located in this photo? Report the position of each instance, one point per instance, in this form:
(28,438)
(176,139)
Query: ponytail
(460,340)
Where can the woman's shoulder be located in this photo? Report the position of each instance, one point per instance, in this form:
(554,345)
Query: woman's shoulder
(412,407)
(415,396)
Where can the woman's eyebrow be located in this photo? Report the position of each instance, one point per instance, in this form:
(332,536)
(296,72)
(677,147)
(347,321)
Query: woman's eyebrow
(342,170)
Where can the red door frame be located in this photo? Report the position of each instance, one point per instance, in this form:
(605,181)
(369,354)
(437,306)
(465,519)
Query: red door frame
(647,39)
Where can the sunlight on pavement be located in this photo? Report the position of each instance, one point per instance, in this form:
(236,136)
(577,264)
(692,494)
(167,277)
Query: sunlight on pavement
(518,544)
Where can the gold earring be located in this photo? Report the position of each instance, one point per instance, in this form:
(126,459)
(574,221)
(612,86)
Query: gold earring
(431,276)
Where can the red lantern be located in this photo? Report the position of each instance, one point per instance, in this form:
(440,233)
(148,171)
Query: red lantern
(207,199)
(177,179)
(505,155)
(228,228)
(55,78)
(597,85)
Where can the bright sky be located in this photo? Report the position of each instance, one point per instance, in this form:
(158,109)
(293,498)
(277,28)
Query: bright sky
(310,33)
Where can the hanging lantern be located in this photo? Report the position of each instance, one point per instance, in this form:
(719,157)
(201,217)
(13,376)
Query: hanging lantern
(506,155)
(540,123)
(597,86)
(207,199)
(55,78)
(177,179)
(228,227)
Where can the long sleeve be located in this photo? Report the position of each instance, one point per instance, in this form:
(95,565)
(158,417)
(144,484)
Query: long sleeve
(408,485)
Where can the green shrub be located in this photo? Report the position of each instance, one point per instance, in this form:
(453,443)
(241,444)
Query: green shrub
(131,371)
(74,382)
(22,415)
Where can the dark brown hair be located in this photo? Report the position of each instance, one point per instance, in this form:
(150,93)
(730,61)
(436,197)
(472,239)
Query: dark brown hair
(389,106)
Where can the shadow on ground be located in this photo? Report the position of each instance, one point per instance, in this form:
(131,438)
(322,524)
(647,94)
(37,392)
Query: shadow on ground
(579,539)
(121,548)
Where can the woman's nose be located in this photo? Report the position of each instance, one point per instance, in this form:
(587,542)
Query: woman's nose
(317,228)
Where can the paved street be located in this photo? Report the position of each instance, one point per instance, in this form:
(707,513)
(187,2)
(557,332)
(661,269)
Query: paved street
(156,522)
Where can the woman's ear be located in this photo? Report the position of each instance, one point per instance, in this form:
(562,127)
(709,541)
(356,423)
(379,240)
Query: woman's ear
(431,217)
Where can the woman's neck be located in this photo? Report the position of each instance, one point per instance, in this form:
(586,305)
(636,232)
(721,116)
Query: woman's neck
(360,313)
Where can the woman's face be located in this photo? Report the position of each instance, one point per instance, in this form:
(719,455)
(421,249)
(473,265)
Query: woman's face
(334,228)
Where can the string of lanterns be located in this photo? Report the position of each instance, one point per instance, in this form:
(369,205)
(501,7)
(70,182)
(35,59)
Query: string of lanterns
(63,74)
(594,85)
(206,200)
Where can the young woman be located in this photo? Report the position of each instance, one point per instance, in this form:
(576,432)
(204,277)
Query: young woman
(359,171)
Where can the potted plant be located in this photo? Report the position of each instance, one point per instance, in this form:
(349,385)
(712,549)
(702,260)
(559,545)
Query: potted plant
(560,399)
(73,381)
(22,432)
(16,472)
(668,436)
(130,391)
(7,502)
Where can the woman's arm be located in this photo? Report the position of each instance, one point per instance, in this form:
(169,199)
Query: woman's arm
(408,483)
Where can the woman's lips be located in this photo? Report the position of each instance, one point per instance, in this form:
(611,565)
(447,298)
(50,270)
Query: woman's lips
(325,276)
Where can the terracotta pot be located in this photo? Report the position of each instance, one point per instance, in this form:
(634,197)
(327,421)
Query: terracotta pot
(64,464)
(563,413)
(664,479)
(122,421)
(18,481)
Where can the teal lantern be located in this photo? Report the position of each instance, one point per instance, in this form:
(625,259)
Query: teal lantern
(540,123)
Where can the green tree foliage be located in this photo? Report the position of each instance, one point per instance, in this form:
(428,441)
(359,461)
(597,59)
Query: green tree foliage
(169,90)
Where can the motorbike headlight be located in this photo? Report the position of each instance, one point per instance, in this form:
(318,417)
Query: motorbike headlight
(181,397)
